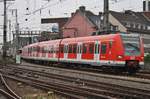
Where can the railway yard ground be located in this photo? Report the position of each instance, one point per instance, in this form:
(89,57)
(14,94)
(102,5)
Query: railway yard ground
(31,81)
(28,92)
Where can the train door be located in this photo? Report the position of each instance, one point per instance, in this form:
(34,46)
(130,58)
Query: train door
(97,51)
(110,54)
(105,54)
(65,51)
(79,51)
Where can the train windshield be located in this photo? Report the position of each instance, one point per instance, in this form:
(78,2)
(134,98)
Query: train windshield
(131,44)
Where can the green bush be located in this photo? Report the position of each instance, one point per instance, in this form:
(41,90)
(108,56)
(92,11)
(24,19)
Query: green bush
(147,58)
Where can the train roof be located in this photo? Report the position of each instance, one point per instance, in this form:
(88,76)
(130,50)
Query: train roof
(108,37)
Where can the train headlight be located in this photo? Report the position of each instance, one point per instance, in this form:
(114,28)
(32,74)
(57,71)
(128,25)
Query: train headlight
(120,57)
(142,58)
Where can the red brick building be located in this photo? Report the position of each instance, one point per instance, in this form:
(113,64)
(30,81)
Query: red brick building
(82,23)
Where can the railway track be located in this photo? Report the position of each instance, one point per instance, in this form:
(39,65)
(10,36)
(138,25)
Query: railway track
(5,91)
(76,84)
(143,74)
(141,77)
(140,74)
(58,86)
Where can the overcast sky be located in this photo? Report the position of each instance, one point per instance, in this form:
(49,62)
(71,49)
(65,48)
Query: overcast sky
(59,8)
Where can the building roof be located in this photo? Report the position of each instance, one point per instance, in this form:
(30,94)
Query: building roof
(93,19)
(130,16)
(136,20)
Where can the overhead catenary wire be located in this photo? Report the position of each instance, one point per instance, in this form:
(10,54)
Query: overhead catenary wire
(39,10)
(44,6)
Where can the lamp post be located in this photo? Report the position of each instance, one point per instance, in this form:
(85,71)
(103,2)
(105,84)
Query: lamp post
(106,16)
(5,30)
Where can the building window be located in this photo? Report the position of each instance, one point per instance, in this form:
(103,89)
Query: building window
(146,27)
(142,27)
(125,23)
(136,26)
(128,24)
(139,27)
(132,25)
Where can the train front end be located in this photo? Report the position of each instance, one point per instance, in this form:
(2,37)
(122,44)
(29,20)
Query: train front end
(133,52)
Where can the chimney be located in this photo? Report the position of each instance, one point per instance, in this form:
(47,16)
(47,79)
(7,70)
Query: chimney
(82,8)
(146,5)
(100,14)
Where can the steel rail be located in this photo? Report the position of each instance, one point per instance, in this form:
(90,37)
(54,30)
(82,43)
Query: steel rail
(47,75)
(50,86)
(119,89)
(125,78)
(87,82)
(6,94)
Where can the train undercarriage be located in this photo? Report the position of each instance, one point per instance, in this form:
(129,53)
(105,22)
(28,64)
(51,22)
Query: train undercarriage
(131,67)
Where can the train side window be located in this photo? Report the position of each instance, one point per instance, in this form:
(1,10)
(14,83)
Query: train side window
(91,48)
(110,44)
(49,49)
(62,48)
(84,48)
(38,48)
(35,48)
(103,48)
(52,49)
(70,48)
(74,48)
(43,50)
(29,50)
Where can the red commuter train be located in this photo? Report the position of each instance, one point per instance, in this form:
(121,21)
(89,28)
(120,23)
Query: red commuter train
(123,51)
